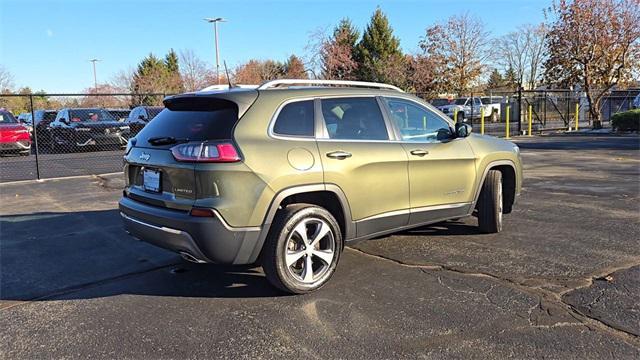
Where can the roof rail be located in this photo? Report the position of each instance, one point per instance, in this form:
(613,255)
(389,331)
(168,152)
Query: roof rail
(347,83)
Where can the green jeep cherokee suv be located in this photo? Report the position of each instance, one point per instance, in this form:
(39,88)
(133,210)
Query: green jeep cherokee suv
(288,172)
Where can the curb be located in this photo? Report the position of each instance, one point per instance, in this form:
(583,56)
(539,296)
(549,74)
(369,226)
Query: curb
(57,178)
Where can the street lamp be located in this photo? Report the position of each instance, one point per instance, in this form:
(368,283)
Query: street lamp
(215,22)
(95,81)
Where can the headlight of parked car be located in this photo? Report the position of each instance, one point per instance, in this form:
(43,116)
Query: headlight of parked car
(83,129)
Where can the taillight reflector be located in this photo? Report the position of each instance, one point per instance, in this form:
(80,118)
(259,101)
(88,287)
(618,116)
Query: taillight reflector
(205,152)
(199,212)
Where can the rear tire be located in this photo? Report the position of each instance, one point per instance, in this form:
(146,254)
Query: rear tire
(302,249)
(490,203)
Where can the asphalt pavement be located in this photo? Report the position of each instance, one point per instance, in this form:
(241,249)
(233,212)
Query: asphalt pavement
(561,281)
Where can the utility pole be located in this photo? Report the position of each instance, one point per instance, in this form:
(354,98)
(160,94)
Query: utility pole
(95,79)
(215,22)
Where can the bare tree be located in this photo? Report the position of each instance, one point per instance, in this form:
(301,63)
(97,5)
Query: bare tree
(536,52)
(462,44)
(598,42)
(523,51)
(513,49)
(122,81)
(6,80)
(196,74)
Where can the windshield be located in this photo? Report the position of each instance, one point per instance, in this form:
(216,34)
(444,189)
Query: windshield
(7,118)
(461,101)
(89,115)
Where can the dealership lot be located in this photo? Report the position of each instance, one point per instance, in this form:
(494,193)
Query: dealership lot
(562,280)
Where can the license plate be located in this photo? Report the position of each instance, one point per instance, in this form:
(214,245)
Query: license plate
(151,180)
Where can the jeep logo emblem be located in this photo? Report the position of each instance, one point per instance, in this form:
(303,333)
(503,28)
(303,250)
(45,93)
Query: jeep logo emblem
(144,156)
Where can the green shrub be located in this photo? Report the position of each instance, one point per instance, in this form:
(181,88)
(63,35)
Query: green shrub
(626,121)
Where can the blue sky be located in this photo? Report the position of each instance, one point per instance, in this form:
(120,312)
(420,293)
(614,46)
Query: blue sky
(46,44)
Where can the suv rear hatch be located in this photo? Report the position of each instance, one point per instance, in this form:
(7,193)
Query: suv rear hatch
(160,161)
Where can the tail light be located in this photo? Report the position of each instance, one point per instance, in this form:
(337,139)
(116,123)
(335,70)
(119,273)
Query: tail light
(205,152)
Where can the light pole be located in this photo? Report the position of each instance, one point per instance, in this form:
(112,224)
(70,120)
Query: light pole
(215,22)
(95,81)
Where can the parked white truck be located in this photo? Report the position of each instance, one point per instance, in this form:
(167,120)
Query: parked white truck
(491,105)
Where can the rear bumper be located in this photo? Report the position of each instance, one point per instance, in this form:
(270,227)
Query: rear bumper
(118,139)
(21,145)
(205,239)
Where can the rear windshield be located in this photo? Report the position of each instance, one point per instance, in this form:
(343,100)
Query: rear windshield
(196,119)
(461,101)
(440,102)
(7,118)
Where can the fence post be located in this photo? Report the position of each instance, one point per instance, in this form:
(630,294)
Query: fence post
(545,108)
(519,108)
(530,119)
(482,121)
(35,135)
(508,129)
(577,114)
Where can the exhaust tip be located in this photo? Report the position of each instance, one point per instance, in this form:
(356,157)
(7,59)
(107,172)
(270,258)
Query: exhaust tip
(191,258)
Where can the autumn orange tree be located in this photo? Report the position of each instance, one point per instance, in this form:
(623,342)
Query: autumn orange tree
(595,42)
(461,47)
(337,53)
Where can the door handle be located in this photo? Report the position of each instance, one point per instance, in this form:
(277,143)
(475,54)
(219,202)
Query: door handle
(419,152)
(340,155)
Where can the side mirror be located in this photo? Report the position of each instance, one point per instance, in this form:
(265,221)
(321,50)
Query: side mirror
(463,130)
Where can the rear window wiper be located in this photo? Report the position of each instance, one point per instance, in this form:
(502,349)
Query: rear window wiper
(166,140)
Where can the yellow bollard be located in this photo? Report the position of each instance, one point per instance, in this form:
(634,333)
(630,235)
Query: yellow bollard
(455,116)
(530,119)
(482,121)
(508,130)
(577,114)
(424,123)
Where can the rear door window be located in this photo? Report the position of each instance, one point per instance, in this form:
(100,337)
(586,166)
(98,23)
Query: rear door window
(192,119)
(354,119)
(295,119)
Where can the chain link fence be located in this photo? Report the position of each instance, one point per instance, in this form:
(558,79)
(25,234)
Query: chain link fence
(548,110)
(70,134)
(85,134)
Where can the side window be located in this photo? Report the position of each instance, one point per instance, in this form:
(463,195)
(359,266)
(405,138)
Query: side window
(476,102)
(354,119)
(417,123)
(295,119)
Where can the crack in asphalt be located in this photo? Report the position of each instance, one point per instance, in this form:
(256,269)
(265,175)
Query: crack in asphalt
(553,298)
(75,288)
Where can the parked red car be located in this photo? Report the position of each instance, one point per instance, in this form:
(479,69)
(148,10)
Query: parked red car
(14,137)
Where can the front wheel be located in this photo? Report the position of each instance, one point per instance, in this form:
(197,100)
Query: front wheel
(490,203)
(302,249)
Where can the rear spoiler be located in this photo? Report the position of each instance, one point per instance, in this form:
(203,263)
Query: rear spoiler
(240,98)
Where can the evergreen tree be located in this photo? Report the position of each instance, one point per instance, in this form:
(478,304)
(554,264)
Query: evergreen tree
(378,54)
(346,34)
(171,62)
(337,53)
(511,79)
(495,80)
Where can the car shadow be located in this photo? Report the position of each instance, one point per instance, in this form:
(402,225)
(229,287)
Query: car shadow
(87,254)
(446,228)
